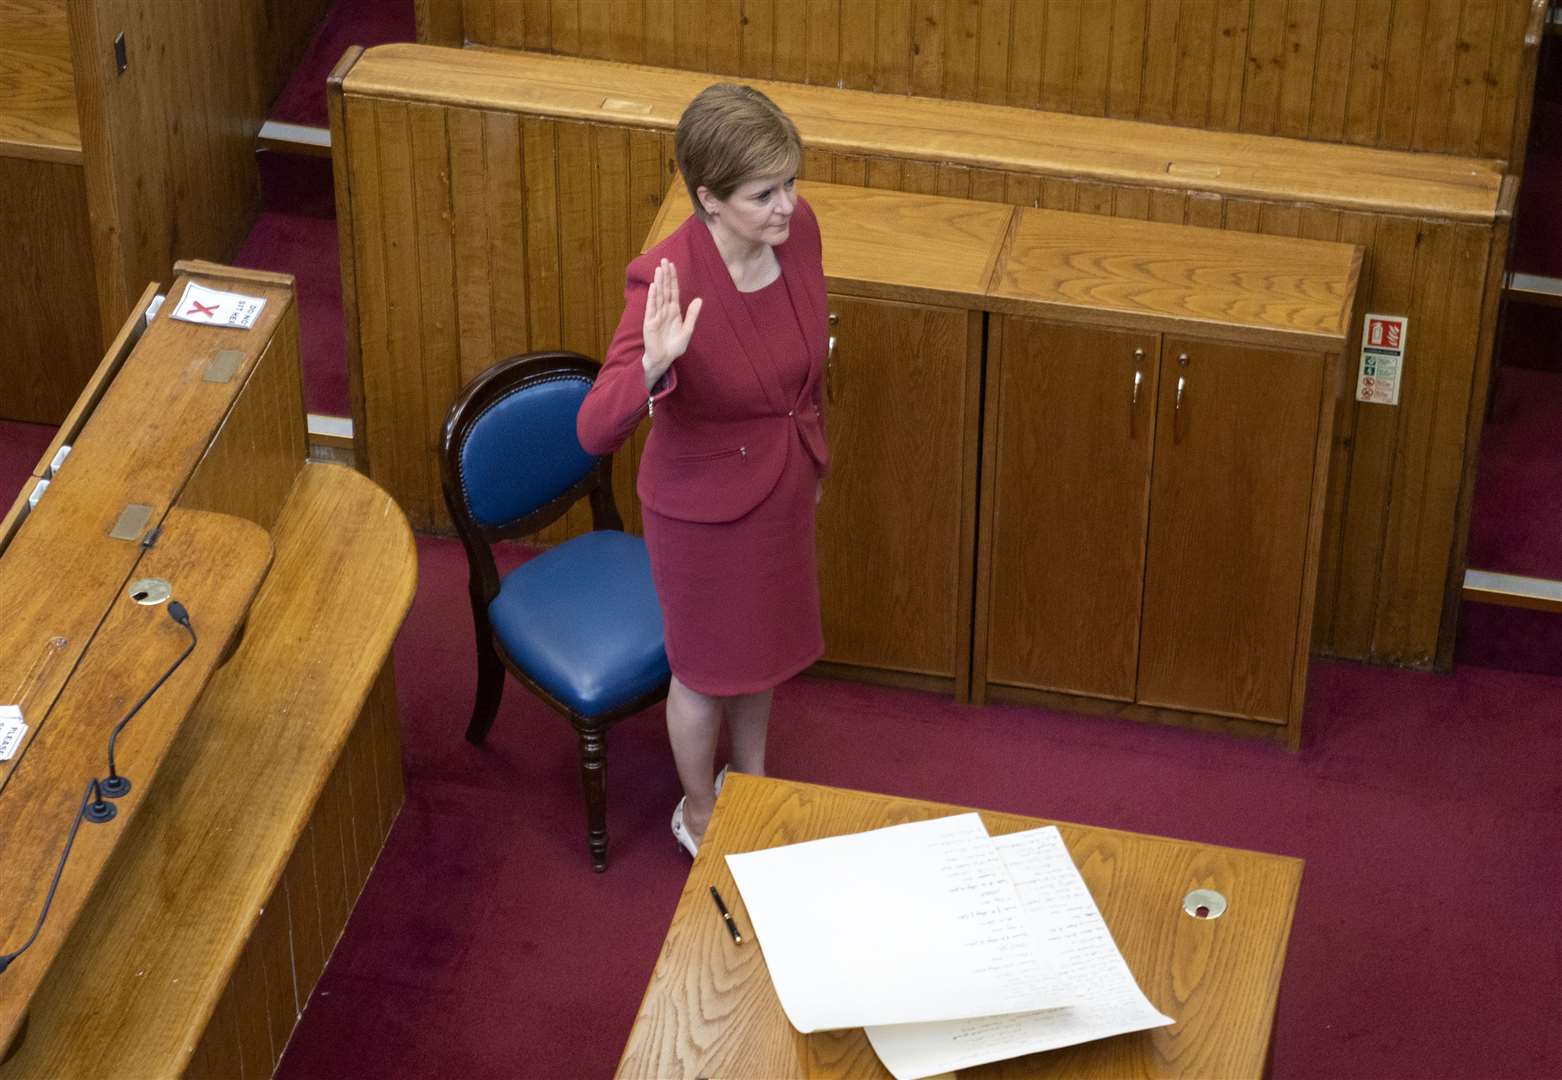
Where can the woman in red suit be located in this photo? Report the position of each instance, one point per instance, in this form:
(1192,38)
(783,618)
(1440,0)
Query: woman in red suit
(736,457)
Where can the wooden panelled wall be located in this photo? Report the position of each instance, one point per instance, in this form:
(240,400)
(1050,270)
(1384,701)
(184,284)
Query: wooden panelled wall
(169,145)
(108,177)
(471,235)
(1446,75)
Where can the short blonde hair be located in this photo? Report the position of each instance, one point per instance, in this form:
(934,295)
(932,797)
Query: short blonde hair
(729,134)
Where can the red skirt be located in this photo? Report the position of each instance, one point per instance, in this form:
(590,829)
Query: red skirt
(740,599)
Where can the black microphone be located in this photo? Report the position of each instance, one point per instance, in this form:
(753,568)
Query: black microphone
(114,786)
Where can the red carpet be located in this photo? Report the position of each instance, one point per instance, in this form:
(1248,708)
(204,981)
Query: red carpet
(1537,237)
(350,22)
(306,247)
(1516,521)
(1429,810)
(21,445)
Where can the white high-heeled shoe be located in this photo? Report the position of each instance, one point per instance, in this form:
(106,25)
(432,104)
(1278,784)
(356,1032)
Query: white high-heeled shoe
(681,833)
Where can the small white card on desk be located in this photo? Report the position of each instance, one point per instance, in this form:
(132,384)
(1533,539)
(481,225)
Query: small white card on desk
(12,730)
(212,307)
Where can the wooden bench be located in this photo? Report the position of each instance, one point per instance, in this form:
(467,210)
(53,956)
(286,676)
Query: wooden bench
(83,145)
(489,200)
(188,933)
(208,933)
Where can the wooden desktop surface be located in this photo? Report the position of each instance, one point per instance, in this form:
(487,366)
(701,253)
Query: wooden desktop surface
(1277,291)
(965,132)
(710,1009)
(37,83)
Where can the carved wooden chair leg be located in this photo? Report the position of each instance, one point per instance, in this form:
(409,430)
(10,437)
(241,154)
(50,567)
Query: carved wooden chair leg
(593,779)
(490,688)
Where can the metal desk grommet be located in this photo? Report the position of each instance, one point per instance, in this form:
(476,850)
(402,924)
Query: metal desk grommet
(149,590)
(1204,904)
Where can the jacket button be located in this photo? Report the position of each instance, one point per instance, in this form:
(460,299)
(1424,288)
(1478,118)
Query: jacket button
(791,412)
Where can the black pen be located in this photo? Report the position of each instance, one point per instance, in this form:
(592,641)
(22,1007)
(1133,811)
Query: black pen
(726,916)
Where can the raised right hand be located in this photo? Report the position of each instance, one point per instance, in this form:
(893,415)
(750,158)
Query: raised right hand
(667,328)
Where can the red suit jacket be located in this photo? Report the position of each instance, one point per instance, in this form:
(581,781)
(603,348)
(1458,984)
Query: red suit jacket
(722,425)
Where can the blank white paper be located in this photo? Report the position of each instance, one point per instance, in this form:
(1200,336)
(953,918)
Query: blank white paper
(910,923)
(1065,917)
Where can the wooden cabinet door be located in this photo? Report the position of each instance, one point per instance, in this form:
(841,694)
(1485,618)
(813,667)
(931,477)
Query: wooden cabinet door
(897,525)
(1069,434)
(1230,504)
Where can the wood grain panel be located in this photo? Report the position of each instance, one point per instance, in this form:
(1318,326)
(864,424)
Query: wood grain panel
(1298,61)
(902,403)
(1368,496)
(403,405)
(1158,84)
(1066,505)
(501,244)
(1444,75)
(1431,438)
(310,945)
(433,202)
(48,301)
(1095,269)
(37,83)
(1354,229)
(249,469)
(249,1001)
(981,135)
(1221,602)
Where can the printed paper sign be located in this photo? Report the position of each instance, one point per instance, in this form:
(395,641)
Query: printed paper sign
(12,731)
(1382,358)
(213,308)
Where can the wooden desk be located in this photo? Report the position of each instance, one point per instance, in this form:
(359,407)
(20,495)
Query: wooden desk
(710,1009)
(189,931)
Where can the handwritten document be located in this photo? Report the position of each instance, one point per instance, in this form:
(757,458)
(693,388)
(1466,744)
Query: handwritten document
(1065,918)
(904,925)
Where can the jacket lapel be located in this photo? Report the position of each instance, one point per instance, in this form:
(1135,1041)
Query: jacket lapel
(805,305)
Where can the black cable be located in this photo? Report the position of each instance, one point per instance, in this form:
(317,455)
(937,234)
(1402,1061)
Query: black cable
(115,785)
(5,961)
(104,810)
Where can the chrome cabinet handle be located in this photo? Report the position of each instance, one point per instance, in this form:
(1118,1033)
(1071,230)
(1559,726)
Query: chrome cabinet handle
(829,365)
(1182,384)
(1133,396)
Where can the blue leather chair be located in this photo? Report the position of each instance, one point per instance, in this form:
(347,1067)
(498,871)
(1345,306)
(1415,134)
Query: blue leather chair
(579,624)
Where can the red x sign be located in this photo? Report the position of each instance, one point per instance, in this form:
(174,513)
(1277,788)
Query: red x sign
(202,309)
